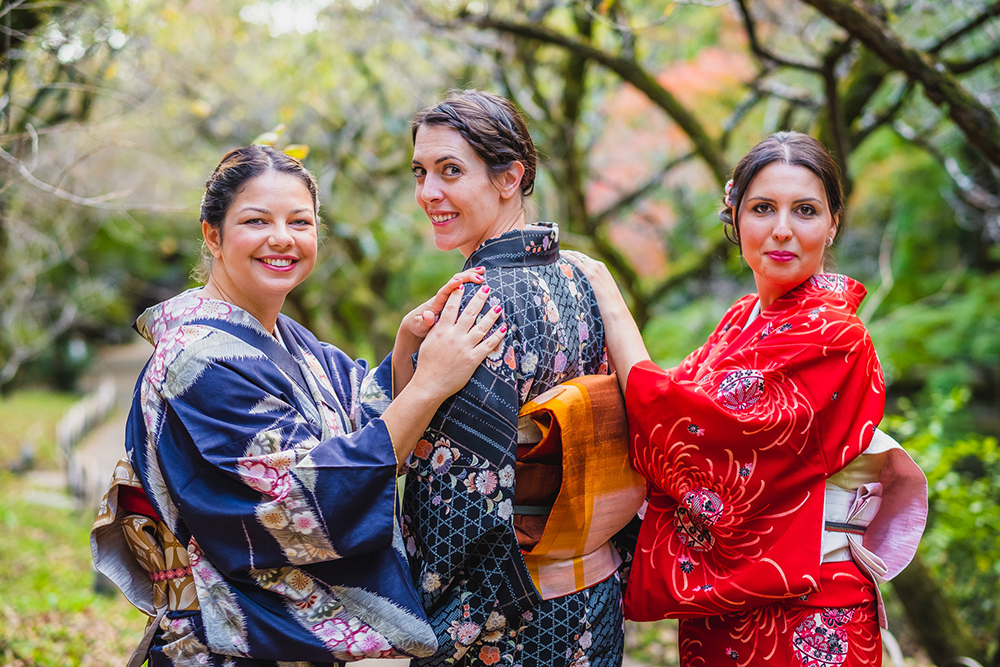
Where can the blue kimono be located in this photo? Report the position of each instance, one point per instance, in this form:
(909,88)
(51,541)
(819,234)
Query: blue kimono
(267,460)
(459,492)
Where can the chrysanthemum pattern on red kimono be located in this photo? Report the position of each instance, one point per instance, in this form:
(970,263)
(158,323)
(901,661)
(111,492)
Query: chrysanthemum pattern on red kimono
(737,442)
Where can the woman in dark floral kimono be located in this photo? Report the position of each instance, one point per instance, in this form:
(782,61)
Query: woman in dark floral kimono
(255,518)
(776,506)
(474,165)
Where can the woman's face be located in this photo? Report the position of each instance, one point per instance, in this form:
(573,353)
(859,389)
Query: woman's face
(784,222)
(465,206)
(268,242)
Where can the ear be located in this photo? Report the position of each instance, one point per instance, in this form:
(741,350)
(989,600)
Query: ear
(835,227)
(213,239)
(510,183)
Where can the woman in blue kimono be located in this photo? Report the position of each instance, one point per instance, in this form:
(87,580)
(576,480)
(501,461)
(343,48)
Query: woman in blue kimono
(474,165)
(255,518)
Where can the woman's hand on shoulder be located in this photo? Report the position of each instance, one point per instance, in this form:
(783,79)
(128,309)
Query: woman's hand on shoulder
(605,288)
(419,321)
(458,343)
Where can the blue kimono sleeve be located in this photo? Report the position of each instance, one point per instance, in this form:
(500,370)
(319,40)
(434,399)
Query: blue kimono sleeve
(255,485)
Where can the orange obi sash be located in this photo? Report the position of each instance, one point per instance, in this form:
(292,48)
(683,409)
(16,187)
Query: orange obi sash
(574,485)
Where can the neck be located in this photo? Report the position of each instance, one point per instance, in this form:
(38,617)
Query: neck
(265,313)
(509,217)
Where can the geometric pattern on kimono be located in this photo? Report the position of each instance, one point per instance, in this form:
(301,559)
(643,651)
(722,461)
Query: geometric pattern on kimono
(459,491)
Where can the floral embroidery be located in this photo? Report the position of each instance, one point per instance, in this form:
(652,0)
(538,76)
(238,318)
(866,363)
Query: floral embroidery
(286,514)
(740,390)
(442,460)
(694,429)
(732,653)
(699,511)
(821,640)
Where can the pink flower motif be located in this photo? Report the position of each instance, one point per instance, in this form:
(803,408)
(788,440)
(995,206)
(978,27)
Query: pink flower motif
(304,523)
(464,633)
(486,482)
(368,643)
(264,478)
(559,365)
(584,331)
(331,632)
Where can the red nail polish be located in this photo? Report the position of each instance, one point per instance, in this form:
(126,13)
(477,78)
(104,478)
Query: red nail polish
(497,309)
(486,289)
(480,268)
(503,329)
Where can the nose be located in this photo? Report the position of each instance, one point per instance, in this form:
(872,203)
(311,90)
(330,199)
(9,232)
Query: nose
(280,236)
(782,227)
(430,189)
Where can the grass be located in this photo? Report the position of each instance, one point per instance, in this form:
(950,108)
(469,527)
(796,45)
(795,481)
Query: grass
(50,615)
(31,417)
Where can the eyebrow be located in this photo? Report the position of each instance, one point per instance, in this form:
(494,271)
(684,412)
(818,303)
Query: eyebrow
(797,201)
(443,158)
(268,212)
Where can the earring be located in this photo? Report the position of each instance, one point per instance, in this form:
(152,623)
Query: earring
(829,242)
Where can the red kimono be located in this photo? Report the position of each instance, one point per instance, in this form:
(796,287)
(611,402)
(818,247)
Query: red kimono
(737,443)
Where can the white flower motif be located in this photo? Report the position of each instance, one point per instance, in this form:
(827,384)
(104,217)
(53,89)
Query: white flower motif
(432,581)
(505,509)
(529,362)
(507,476)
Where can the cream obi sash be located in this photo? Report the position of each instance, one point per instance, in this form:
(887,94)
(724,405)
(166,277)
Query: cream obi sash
(875,512)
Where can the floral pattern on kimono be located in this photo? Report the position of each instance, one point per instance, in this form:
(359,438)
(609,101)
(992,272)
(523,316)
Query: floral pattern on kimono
(264,460)
(737,442)
(458,498)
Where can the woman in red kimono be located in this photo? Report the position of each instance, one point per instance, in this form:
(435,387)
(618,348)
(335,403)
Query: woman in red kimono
(759,533)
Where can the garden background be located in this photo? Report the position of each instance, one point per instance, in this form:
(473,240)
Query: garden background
(114,112)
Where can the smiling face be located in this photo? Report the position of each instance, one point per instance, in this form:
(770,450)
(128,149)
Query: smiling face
(267,245)
(784,224)
(465,206)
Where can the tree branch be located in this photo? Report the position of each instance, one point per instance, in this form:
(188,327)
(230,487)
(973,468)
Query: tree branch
(966,66)
(761,52)
(976,121)
(944,42)
(631,72)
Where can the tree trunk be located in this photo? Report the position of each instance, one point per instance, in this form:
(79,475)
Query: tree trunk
(941,631)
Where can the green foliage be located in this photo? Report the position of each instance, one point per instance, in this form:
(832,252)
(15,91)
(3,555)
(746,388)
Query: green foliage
(963,475)
(949,338)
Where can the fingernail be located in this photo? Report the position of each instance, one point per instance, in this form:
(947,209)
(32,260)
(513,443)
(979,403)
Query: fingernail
(503,329)
(486,289)
(480,268)
(497,309)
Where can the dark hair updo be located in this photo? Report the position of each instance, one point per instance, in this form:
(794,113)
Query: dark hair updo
(492,127)
(238,167)
(792,148)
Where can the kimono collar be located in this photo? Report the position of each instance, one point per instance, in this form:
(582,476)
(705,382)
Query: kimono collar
(535,245)
(159,320)
(824,286)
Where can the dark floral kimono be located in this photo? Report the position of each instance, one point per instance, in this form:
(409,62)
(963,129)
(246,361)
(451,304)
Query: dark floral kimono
(458,500)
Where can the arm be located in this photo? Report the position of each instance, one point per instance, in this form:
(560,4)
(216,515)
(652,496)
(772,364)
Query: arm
(625,345)
(419,321)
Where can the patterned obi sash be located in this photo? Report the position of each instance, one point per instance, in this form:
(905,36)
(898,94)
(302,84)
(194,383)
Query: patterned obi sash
(574,485)
(875,512)
(139,553)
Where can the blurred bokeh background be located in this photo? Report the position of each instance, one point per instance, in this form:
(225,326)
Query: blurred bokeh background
(114,112)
